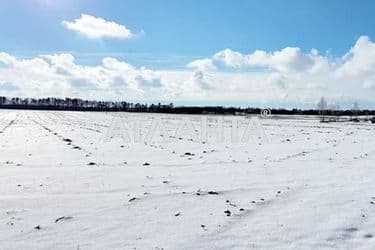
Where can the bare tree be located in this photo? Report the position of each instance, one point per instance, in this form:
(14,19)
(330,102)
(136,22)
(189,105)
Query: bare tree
(322,107)
(355,109)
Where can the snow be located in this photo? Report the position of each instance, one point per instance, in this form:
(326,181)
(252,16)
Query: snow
(310,186)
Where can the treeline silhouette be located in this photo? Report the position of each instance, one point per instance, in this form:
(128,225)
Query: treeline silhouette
(75,104)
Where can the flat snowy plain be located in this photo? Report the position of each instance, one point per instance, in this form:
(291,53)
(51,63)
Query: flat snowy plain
(310,186)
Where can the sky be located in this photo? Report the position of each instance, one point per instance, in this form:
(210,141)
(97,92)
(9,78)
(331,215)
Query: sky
(268,53)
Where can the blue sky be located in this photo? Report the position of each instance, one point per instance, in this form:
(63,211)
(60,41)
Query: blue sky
(169,34)
(190,28)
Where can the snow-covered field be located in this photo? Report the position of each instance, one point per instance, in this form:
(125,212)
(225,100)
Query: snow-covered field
(63,186)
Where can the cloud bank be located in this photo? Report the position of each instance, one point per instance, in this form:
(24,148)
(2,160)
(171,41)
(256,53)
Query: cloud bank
(285,76)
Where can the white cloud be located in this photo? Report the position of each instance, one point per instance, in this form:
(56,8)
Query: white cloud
(59,75)
(96,27)
(201,78)
(6,59)
(202,64)
(292,75)
(360,60)
(287,60)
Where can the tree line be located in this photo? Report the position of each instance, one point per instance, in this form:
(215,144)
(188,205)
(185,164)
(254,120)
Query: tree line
(76,104)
